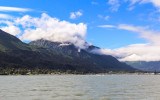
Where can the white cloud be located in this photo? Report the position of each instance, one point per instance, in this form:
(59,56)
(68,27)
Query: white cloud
(78,13)
(74,15)
(156,3)
(136,52)
(5,16)
(46,27)
(12,30)
(16,9)
(114,4)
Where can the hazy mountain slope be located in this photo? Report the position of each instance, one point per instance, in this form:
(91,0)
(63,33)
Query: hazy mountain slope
(145,66)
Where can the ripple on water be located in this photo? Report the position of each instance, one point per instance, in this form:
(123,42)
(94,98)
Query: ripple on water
(41,90)
(80,87)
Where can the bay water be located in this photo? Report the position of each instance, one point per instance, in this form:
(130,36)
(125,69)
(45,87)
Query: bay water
(80,87)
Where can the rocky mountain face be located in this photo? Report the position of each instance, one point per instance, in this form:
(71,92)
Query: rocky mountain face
(104,61)
(66,48)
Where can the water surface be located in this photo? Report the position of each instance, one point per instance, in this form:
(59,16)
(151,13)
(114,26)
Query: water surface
(80,87)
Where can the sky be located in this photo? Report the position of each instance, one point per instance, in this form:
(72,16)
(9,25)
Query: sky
(126,29)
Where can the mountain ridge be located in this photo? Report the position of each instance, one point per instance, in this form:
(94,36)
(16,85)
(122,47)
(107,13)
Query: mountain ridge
(16,55)
(85,54)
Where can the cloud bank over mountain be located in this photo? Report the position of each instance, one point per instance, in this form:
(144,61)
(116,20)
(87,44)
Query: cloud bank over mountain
(45,27)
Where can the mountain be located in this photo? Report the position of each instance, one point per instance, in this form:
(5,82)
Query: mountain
(9,42)
(65,48)
(145,66)
(43,56)
(107,62)
(15,54)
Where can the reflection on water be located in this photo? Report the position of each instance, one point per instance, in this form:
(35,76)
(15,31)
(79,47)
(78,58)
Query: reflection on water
(80,87)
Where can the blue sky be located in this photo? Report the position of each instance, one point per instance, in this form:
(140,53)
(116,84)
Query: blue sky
(107,21)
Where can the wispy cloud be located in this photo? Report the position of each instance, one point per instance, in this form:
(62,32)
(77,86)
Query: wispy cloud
(107,26)
(99,16)
(74,15)
(114,5)
(155,3)
(15,9)
(106,17)
(150,35)
(94,3)
(5,16)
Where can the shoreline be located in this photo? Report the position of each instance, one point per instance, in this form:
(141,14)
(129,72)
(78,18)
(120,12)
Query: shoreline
(98,74)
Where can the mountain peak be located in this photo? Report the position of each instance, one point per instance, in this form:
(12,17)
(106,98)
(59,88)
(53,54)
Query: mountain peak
(65,47)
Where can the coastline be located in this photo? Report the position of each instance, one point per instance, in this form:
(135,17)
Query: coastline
(98,74)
